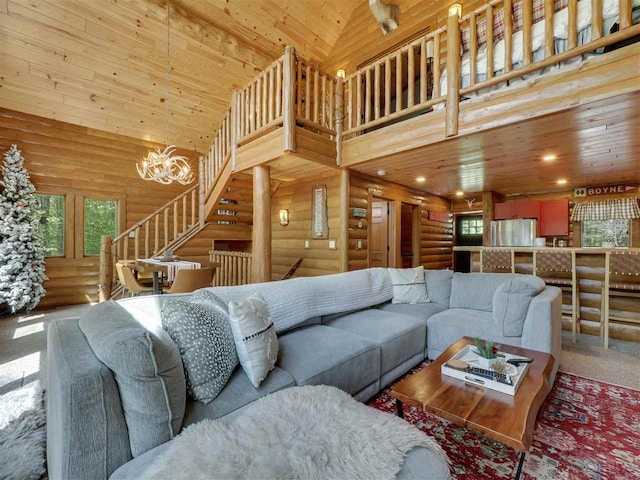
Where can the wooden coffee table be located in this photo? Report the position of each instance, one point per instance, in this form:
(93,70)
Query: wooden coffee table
(505,418)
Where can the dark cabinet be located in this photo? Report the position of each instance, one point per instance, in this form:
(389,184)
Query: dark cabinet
(554,218)
(524,209)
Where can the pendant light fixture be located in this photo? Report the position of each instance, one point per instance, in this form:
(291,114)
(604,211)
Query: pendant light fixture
(163,166)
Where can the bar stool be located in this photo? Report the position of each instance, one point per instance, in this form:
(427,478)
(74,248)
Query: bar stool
(620,264)
(497,259)
(556,263)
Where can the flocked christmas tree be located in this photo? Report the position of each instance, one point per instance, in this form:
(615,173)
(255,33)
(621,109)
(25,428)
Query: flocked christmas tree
(21,252)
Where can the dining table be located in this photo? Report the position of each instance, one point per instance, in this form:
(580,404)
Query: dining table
(156,267)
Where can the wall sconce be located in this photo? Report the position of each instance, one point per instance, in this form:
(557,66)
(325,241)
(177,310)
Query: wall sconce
(284,217)
(455,9)
(341,73)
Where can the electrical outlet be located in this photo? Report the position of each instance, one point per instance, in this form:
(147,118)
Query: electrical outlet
(332,244)
(307,244)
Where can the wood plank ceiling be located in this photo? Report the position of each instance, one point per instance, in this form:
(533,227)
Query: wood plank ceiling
(101,63)
(595,144)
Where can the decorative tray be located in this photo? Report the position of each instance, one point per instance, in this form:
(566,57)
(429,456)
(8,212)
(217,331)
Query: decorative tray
(476,375)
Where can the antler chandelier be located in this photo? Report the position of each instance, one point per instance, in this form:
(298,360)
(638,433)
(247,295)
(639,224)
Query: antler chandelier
(163,166)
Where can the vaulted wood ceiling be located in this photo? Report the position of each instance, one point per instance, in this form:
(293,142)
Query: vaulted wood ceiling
(101,63)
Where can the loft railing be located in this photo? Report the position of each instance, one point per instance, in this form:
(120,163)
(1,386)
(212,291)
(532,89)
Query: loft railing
(233,268)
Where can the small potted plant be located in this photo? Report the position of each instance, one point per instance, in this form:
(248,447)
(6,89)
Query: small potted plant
(487,353)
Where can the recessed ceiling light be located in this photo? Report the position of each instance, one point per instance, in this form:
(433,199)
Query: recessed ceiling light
(549,158)
(459,193)
(382,173)
(562,181)
(420,179)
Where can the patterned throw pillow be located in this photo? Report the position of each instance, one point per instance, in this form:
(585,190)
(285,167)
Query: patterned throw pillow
(409,285)
(255,337)
(205,342)
(211,300)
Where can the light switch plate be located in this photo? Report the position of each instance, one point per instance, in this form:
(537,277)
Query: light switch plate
(358,244)
(307,244)
(332,244)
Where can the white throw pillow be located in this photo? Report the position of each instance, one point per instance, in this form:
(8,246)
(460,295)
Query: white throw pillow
(254,336)
(409,285)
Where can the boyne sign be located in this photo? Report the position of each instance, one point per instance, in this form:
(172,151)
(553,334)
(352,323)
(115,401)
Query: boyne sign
(606,190)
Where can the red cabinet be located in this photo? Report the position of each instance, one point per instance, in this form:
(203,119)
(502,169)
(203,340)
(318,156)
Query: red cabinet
(524,209)
(554,218)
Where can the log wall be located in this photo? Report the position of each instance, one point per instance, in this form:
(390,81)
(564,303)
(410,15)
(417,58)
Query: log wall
(77,161)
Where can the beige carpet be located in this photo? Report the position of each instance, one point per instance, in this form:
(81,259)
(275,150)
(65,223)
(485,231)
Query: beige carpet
(619,365)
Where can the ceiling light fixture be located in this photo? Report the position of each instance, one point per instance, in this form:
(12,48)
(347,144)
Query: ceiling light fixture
(562,181)
(459,193)
(549,158)
(420,179)
(382,173)
(341,73)
(163,166)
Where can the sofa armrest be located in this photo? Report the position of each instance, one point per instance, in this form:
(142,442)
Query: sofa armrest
(87,436)
(542,329)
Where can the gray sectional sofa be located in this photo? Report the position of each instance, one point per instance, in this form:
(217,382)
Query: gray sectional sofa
(339,330)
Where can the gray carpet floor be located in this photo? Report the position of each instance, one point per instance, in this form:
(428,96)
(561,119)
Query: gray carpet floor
(23,357)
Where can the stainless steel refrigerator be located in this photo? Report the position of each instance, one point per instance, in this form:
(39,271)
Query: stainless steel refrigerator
(513,233)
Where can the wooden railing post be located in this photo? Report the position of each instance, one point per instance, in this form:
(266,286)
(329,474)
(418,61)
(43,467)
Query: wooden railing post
(453,74)
(106,269)
(235,127)
(201,199)
(289,100)
(339,118)
(261,232)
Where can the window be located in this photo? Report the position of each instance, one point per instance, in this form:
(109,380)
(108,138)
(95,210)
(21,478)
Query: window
(51,223)
(100,218)
(594,232)
(471,226)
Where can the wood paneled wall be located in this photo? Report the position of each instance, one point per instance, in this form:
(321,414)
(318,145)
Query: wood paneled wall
(77,161)
(288,241)
(436,237)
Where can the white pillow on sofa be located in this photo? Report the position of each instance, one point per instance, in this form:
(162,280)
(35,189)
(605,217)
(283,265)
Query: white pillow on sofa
(409,285)
(254,336)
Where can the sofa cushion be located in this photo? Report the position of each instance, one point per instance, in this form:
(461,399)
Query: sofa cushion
(511,303)
(237,393)
(147,369)
(421,311)
(321,355)
(205,341)
(439,286)
(254,336)
(399,337)
(408,285)
(451,325)
(475,290)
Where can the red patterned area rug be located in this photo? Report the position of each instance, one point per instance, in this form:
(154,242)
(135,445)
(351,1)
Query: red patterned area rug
(585,430)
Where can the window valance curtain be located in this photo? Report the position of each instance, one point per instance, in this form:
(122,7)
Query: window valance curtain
(617,208)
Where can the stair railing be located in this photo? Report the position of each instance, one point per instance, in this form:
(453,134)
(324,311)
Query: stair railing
(233,268)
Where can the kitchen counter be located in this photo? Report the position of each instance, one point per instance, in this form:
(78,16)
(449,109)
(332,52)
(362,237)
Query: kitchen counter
(592,251)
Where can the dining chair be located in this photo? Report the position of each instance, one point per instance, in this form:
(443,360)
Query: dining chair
(129,281)
(187,280)
(624,267)
(559,269)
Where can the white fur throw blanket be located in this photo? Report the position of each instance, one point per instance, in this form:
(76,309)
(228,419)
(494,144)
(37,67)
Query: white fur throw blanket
(311,432)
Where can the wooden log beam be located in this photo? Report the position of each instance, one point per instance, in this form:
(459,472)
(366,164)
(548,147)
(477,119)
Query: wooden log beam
(106,269)
(339,118)
(489,199)
(453,75)
(343,241)
(261,233)
(289,99)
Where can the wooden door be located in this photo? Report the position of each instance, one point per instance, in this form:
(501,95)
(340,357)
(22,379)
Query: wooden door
(379,242)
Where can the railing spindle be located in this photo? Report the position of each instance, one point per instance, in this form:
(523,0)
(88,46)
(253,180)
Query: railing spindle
(572,27)
(136,243)
(323,100)
(184,215)
(316,97)
(259,104)
(193,208)
(307,93)
(332,106)
(398,81)
(423,70)
(489,50)
(376,92)
(166,227)
(146,240)
(473,49)
(175,220)
(508,35)
(125,248)
(548,28)
(156,234)
(596,19)
(367,96)
(411,79)
(359,100)
(252,108)
(265,99)
(272,96)
(527,21)
(299,87)
(436,65)
(350,104)
(387,86)
(625,14)
(278,98)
